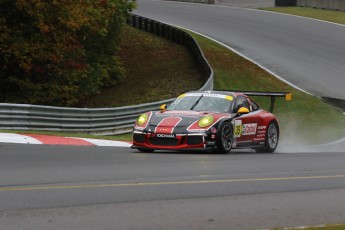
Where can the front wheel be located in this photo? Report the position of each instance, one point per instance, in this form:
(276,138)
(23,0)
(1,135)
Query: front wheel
(272,138)
(225,138)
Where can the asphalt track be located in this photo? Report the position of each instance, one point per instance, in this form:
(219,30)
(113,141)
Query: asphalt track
(60,187)
(308,53)
(72,187)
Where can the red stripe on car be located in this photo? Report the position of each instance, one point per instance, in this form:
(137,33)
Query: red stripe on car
(167,125)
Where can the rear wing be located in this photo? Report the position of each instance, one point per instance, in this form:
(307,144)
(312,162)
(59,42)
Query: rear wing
(273,95)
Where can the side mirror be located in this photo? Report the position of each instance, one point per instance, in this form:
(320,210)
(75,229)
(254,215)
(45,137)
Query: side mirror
(163,107)
(242,110)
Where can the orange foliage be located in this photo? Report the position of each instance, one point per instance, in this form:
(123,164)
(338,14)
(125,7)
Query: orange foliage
(66,47)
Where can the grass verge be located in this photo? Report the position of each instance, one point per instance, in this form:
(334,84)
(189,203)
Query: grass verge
(326,15)
(156,69)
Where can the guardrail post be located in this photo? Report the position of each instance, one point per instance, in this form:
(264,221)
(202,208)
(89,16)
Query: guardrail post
(152,29)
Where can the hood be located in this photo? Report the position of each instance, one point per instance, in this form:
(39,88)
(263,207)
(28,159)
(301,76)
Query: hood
(179,121)
(176,118)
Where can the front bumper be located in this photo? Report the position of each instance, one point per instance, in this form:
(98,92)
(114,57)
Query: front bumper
(174,142)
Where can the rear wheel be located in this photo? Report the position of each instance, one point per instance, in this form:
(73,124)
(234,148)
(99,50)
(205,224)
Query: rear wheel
(225,138)
(272,138)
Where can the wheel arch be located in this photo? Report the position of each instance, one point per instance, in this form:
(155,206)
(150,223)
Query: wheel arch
(228,119)
(274,120)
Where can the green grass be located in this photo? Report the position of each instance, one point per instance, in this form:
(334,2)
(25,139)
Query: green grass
(156,69)
(327,15)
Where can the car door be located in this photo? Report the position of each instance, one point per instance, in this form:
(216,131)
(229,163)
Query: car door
(245,126)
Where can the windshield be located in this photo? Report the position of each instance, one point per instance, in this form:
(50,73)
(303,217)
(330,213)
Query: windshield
(202,102)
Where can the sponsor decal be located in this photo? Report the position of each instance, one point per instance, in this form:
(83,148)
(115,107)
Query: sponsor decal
(266,115)
(230,98)
(238,128)
(180,112)
(165,130)
(197,130)
(263,127)
(227,97)
(259,139)
(261,135)
(261,132)
(166,135)
(249,129)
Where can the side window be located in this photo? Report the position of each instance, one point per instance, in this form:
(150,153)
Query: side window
(241,102)
(253,105)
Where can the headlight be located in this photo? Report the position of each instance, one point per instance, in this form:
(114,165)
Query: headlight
(142,118)
(205,121)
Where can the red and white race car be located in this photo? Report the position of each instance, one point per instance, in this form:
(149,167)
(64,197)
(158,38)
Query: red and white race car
(215,120)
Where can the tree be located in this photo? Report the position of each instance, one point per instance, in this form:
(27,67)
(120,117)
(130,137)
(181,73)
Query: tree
(57,52)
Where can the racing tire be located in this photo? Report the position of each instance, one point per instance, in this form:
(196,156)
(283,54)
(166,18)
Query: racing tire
(272,138)
(225,138)
(145,150)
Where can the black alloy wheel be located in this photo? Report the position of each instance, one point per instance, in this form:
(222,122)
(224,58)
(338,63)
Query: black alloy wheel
(225,138)
(272,138)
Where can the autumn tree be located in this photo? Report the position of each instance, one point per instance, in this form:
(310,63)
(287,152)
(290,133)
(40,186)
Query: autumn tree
(57,52)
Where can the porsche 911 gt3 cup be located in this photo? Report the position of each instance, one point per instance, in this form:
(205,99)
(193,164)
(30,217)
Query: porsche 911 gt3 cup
(210,120)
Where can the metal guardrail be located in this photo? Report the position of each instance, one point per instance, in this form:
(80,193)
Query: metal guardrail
(101,121)
(180,37)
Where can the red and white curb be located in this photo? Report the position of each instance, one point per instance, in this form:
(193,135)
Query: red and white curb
(56,140)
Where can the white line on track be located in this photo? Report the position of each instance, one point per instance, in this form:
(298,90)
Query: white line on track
(298,16)
(245,57)
(333,143)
